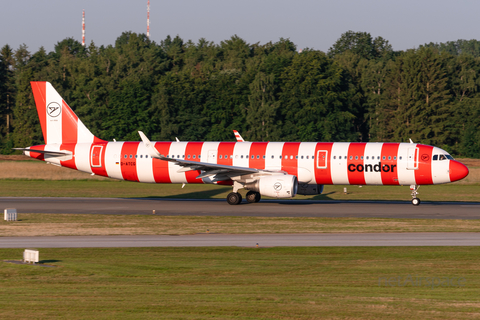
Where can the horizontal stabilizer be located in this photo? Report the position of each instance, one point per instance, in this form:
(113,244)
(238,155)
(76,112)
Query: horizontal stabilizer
(53,153)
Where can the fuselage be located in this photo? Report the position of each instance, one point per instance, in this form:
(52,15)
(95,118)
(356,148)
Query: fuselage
(313,163)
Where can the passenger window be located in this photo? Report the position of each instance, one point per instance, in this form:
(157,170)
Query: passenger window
(263,157)
(131,156)
(389,158)
(188,157)
(383,158)
(286,157)
(241,157)
(253,157)
(220,156)
(125,156)
(395,158)
(367,157)
(307,157)
(400,158)
(194,157)
(258,157)
(356,157)
(351,157)
(361,157)
(199,156)
(313,157)
(226,157)
(141,156)
(291,157)
(302,157)
(273,156)
(334,157)
(231,156)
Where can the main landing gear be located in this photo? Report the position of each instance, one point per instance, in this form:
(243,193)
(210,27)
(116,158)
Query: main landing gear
(415,201)
(234,198)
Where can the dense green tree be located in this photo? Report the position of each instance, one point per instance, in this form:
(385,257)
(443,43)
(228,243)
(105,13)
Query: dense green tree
(418,98)
(315,101)
(459,47)
(260,114)
(362,44)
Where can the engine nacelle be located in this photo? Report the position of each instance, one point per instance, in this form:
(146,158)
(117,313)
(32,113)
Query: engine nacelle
(275,186)
(309,189)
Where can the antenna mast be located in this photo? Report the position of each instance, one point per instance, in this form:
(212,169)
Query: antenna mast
(148,20)
(83,28)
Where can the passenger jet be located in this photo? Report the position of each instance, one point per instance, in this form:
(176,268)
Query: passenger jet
(273,169)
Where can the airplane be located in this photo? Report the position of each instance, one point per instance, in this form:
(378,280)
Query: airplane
(273,169)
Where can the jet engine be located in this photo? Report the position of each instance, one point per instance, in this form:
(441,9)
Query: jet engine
(309,189)
(275,186)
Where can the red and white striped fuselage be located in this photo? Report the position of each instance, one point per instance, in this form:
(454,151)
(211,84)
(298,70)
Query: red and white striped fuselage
(321,163)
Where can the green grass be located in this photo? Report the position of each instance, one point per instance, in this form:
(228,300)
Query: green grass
(35,224)
(242,283)
(124,189)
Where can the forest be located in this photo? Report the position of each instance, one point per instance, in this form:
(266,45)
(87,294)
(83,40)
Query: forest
(359,90)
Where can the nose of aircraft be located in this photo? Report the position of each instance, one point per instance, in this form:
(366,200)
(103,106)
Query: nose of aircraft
(457,170)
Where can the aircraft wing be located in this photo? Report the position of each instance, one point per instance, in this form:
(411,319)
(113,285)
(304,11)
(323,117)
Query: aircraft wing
(209,169)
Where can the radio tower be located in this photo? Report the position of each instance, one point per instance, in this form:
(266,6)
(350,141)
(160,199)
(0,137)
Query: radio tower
(83,29)
(148,20)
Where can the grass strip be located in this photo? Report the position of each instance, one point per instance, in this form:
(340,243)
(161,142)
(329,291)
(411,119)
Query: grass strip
(244,283)
(125,189)
(36,224)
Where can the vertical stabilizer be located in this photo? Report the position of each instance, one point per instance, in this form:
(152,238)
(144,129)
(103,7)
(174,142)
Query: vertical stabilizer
(59,123)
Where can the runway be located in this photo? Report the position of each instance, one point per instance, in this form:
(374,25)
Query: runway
(249,240)
(265,208)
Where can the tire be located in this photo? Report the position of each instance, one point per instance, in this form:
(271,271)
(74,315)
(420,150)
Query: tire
(251,196)
(416,201)
(234,198)
(258,196)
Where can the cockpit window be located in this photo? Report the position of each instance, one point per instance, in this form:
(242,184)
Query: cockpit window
(442,157)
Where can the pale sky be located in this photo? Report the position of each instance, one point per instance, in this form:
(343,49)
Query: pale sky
(316,24)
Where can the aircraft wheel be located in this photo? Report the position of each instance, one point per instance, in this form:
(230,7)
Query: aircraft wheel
(234,198)
(416,201)
(251,196)
(258,196)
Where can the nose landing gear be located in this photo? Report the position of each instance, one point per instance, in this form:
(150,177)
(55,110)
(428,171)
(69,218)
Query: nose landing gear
(415,201)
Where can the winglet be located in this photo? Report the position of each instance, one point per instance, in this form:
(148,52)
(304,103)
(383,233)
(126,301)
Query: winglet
(150,147)
(238,136)
(411,141)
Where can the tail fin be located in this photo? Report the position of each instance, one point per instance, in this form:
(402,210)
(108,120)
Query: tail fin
(59,123)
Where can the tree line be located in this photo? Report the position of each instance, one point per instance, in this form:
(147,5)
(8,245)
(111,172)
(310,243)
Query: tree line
(360,90)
